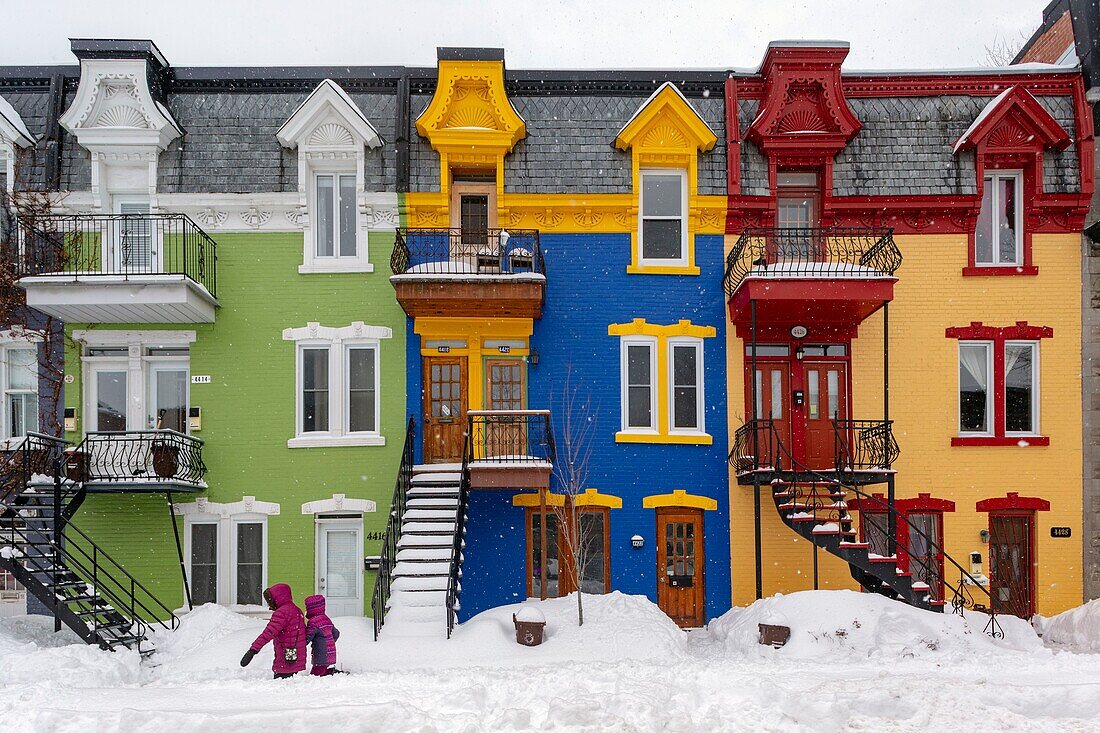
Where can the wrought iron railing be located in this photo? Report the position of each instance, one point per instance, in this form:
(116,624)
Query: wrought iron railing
(511,437)
(865,445)
(811,252)
(33,455)
(388,556)
(458,546)
(755,446)
(467,252)
(117,244)
(137,456)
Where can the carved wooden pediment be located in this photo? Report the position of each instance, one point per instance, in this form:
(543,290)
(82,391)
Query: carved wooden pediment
(470,110)
(1014,121)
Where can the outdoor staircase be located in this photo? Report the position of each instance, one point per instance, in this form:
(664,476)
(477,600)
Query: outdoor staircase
(421,575)
(818,512)
(76,580)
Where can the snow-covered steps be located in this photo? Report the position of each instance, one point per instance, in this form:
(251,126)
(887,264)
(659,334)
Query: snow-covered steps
(440,553)
(417,583)
(408,568)
(423,598)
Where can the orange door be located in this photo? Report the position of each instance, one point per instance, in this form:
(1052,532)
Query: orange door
(826,390)
(773,389)
(444,408)
(680,581)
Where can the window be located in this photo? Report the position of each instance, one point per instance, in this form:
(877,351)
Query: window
(335,215)
(998,240)
(639,397)
(337,400)
(134,250)
(999,384)
(19,382)
(586,562)
(796,199)
(661,382)
(663,226)
(204,562)
(975,396)
(251,549)
(686,388)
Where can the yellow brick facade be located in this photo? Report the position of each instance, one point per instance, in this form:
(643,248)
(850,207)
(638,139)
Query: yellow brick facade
(932,295)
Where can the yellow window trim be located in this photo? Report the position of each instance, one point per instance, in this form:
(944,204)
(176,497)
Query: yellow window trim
(532,500)
(680,329)
(590,497)
(663,270)
(677,498)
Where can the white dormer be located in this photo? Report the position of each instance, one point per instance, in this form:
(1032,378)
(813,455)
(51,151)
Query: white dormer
(115,117)
(330,134)
(13,134)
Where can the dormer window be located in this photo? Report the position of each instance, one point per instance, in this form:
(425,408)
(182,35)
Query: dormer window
(663,226)
(999,238)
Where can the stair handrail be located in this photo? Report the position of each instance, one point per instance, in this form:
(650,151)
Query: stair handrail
(18,464)
(962,598)
(454,588)
(387,558)
(875,446)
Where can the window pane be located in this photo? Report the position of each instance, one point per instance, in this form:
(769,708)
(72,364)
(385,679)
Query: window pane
(204,563)
(833,380)
(347,216)
(551,554)
(325,196)
(795,212)
(973,387)
(314,390)
(475,218)
(638,364)
(684,365)
(250,552)
(983,236)
(662,195)
(341,564)
(777,395)
(111,400)
(592,552)
(22,414)
(661,239)
(685,412)
(639,387)
(361,394)
(813,394)
(170,410)
(1019,388)
(1006,219)
(22,368)
(640,409)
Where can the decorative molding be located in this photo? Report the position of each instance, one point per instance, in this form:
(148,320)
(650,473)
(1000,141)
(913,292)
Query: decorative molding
(1014,120)
(254,217)
(328,120)
(98,337)
(679,498)
(357,330)
(247,505)
(339,503)
(978,332)
(470,110)
(1012,502)
(666,122)
(639,327)
(114,106)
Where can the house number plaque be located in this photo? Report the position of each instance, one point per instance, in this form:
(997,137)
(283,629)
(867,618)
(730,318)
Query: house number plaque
(200,379)
(1060,531)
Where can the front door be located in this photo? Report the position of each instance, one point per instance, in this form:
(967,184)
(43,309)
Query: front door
(1010,561)
(826,397)
(505,390)
(167,398)
(444,408)
(773,385)
(132,247)
(339,565)
(680,581)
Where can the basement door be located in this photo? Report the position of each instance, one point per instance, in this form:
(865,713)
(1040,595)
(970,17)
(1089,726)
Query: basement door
(444,408)
(340,564)
(680,581)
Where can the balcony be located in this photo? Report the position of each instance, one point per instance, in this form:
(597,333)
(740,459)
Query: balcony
(510,449)
(118,268)
(832,277)
(863,453)
(469,272)
(137,461)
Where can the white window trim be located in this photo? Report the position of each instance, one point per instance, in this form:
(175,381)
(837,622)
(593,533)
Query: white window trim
(682,260)
(1035,423)
(11,341)
(624,363)
(235,521)
(700,403)
(338,341)
(990,413)
(994,203)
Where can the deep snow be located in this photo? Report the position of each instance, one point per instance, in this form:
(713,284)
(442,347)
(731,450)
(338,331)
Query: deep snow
(854,662)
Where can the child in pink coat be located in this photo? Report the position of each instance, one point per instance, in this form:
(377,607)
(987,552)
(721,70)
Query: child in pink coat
(322,636)
(286,630)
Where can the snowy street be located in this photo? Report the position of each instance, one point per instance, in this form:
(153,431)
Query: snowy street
(886,667)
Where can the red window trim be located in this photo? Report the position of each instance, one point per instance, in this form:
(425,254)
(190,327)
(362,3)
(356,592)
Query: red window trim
(1022,331)
(1013,502)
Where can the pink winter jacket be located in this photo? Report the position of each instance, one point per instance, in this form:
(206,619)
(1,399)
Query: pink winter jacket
(287,629)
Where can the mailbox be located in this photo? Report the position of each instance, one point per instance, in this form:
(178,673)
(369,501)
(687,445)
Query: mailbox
(680,581)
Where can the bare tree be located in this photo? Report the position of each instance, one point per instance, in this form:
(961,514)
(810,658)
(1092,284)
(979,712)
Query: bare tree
(572,468)
(1003,50)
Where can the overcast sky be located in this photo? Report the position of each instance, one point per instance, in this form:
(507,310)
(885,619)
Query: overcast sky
(884,34)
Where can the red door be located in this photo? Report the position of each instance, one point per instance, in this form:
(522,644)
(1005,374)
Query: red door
(1011,579)
(826,400)
(773,388)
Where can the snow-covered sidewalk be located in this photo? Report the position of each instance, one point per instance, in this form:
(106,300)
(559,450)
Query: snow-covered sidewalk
(854,662)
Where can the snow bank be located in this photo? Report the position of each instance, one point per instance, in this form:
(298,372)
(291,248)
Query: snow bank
(848,624)
(31,653)
(1077,629)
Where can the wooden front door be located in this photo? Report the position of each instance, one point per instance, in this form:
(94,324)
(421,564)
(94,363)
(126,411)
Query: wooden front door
(773,389)
(505,389)
(444,408)
(1010,564)
(680,581)
(826,396)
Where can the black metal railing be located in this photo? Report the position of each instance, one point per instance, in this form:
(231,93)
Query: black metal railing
(33,455)
(454,577)
(755,446)
(137,456)
(388,556)
(116,244)
(865,445)
(467,252)
(811,252)
(511,437)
